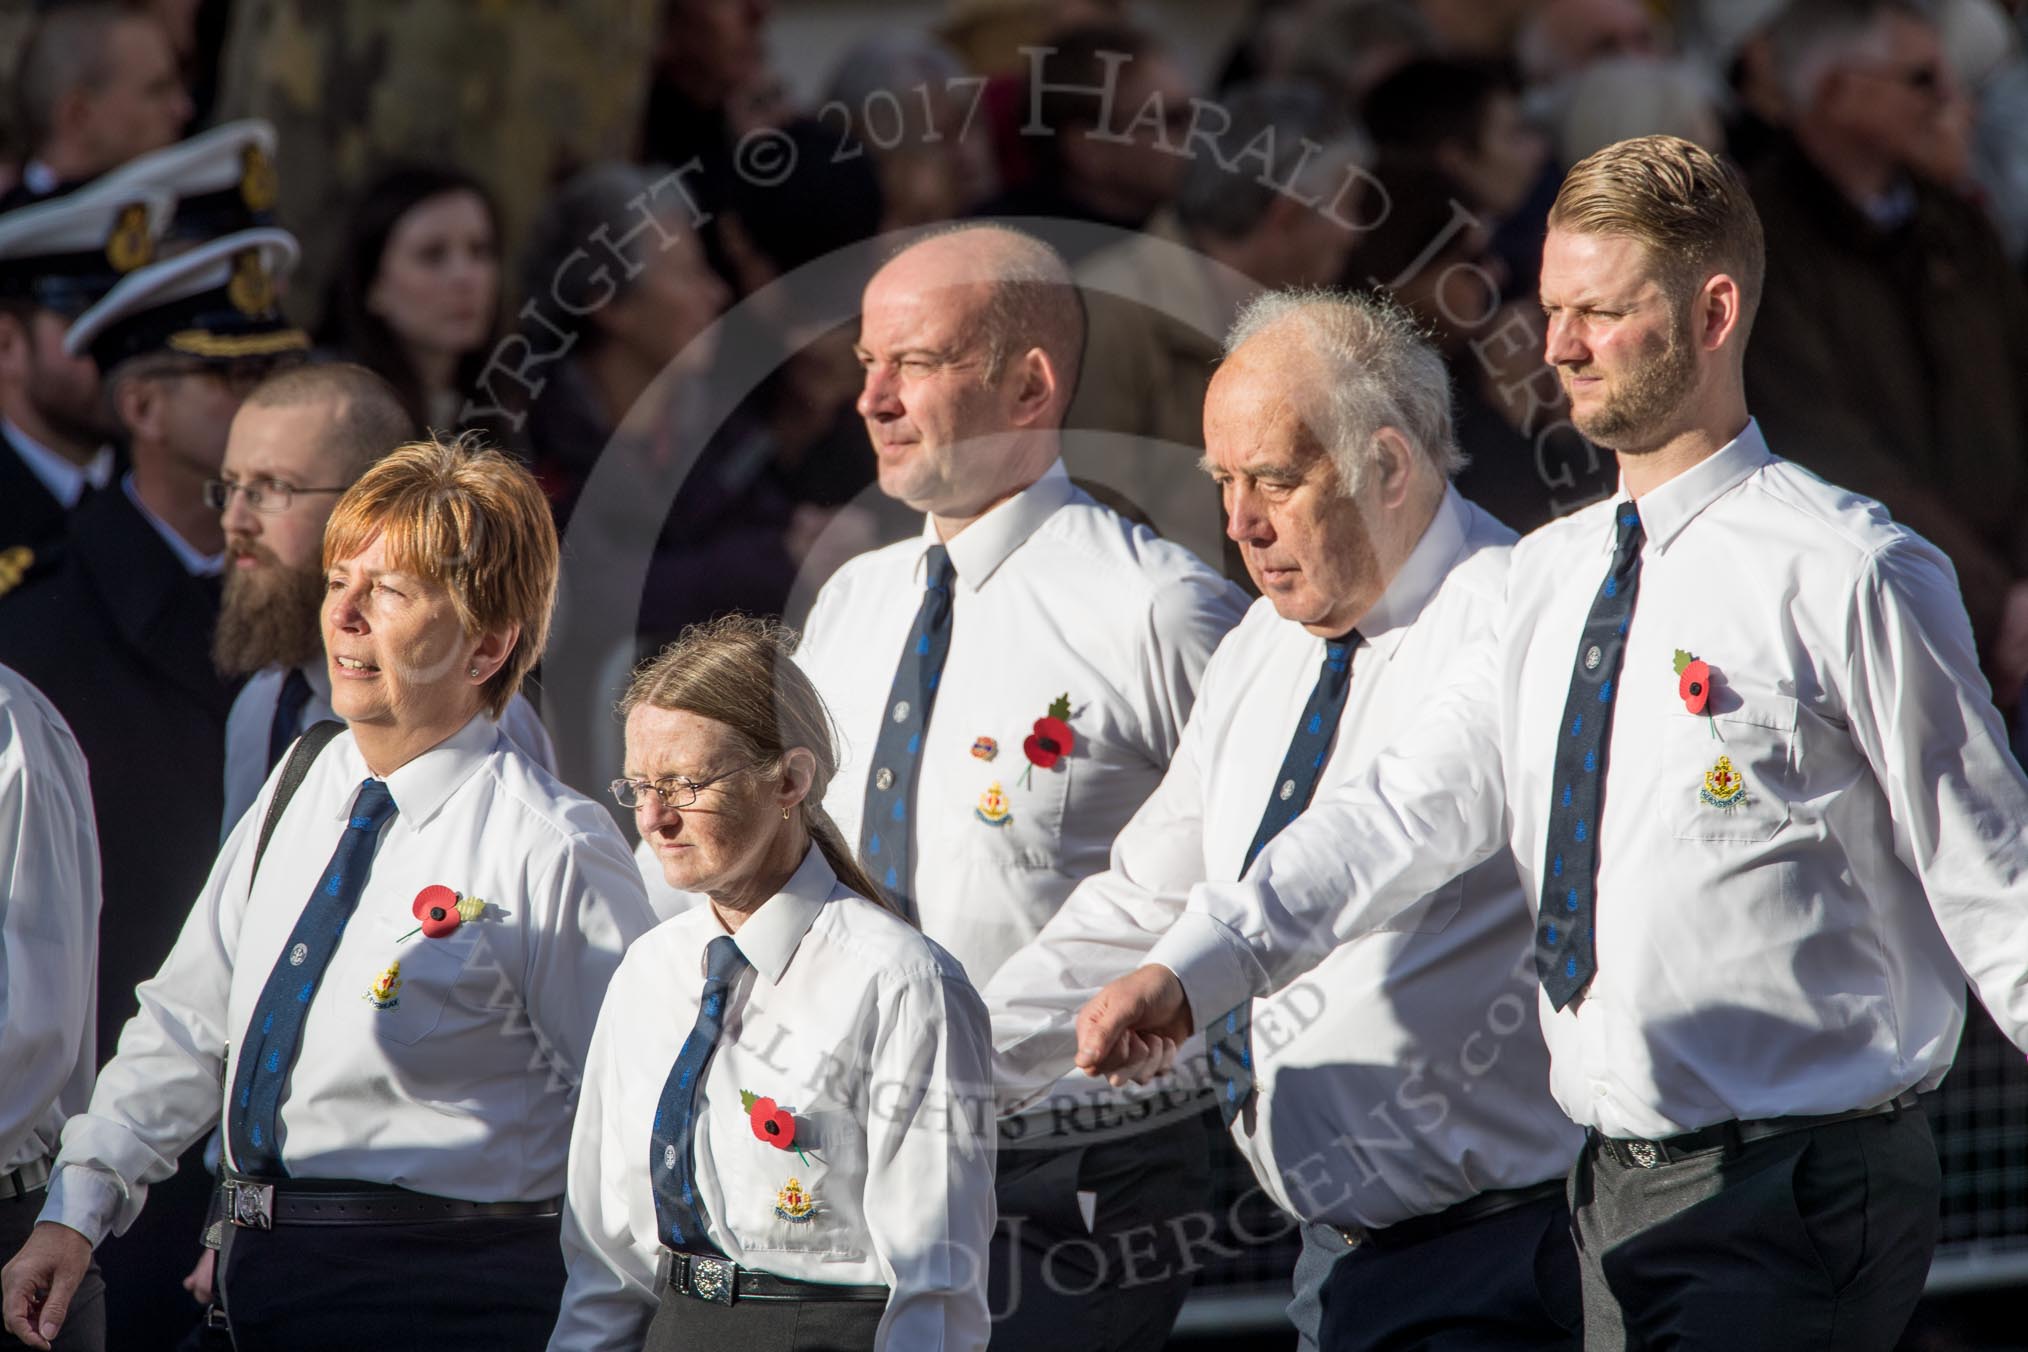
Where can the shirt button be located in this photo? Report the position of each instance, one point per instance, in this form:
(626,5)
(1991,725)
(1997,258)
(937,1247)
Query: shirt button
(884,780)
(1592,658)
(297,954)
(1288,789)
(901,711)
(1599,1090)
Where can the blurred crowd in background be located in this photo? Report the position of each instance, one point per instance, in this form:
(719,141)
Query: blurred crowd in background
(619,241)
(1410,146)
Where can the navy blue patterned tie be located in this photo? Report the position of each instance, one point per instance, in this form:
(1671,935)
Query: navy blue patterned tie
(289,702)
(1230,1039)
(274,1035)
(1565,953)
(679,1215)
(886,836)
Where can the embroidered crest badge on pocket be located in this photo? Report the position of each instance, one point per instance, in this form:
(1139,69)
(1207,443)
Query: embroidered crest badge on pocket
(385,992)
(992,808)
(1723,787)
(794,1203)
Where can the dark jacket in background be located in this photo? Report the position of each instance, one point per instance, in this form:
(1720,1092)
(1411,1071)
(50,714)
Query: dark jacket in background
(29,516)
(1895,363)
(118,635)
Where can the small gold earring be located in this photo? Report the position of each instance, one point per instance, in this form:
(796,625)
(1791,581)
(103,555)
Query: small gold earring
(785,814)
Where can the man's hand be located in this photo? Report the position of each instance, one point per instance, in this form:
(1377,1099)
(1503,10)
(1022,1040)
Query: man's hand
(37,1286)
(1121,1031)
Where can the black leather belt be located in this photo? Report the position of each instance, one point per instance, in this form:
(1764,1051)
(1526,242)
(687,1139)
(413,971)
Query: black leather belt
(1634,1154)
(724,1281)
(258,1204)
(1417,1229)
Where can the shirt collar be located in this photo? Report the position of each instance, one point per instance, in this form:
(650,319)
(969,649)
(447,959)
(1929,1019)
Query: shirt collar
(319,677)
(194,563)
(426,783)
(980,548)
(1666,510)
(1419,577)
(774,931)
(64,479)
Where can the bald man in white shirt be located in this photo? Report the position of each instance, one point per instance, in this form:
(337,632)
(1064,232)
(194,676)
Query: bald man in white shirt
(1396,1101)
(1753,951)
(49,920)
(1009,686)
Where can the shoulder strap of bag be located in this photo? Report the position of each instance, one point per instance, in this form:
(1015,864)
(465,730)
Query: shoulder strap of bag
(306,750)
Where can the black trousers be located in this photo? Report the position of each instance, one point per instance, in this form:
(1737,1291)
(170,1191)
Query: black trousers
(1503,1283)
(488,1285)
(147,1309)
(685,1324)
(1814,1241)
(1056,1285)
(84,1329)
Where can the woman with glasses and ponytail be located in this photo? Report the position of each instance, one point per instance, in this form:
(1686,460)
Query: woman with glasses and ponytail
(785,1135)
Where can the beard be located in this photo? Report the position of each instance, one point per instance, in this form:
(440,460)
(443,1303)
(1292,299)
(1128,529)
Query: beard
(1637,412)
(269,615)
(72,410)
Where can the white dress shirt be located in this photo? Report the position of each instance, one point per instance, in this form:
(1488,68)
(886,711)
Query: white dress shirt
(1055,596)
(1802,952)
(1405,1073)
(460,1084)
(65,479)
(253,716)
(49,925)
(871,1037)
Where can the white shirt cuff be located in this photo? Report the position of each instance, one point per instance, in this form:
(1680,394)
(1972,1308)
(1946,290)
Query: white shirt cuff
(85,1199)
(1217,970)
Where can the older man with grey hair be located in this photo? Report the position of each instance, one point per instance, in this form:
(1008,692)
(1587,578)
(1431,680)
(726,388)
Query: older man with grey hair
(1396,1101)
(1010,684)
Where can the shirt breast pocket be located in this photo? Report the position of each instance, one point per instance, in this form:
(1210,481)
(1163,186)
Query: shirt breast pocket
(1729,774)
(806,1199)
(1018,810)
(411,993)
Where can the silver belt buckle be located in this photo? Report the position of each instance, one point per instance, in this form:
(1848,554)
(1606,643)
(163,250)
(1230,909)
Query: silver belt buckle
(252,1205)
(1644,1154)
(711,1279)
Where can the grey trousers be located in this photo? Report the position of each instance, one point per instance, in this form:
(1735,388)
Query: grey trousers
(1817,1239)
(685,1324)
(84,1330)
